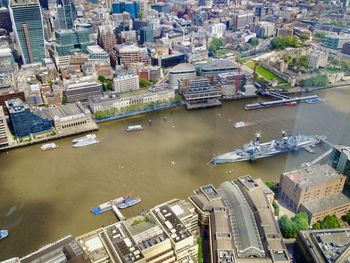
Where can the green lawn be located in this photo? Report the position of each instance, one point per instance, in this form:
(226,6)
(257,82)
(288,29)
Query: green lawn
(263,72)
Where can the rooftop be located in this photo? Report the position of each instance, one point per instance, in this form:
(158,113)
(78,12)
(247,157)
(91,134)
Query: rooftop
(183,67)
(95,49)
(220,65)
(326,203)
(312,176)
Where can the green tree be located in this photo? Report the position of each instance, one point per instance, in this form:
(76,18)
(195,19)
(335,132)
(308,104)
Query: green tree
(328,222)
(304,36)
(347,217)
(101,79)
(317,81)
(140,15)
(301,221)
(64,100)
(254,41)
(282,42)
(215,45)
(145,83)
(288,228)
(273,186)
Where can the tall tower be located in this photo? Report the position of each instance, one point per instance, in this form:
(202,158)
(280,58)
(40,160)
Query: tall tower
(28,27)
(65,14)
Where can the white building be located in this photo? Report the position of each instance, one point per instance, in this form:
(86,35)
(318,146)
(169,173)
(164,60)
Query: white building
(98,55)
(265,29)
(126,83)
(318,58)
(217,30)
(180,71)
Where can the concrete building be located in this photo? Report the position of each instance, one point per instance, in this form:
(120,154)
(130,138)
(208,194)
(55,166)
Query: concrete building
(265,29)
(183,70)
(125,83)
(324,245)
(139,97)
(217,30)
(228,84)
(336,204)
(127,53)
(242,19)
(213,69)
(340,159)
(308,184)
(98,55)
(335,41)
(69,119)
(5,19)
(4,130)
(8,95)
(81,90)
(346,48)
(318,58)
(106,38)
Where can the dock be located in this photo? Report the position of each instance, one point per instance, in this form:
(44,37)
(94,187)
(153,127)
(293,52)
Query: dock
(279,102)
(118,213)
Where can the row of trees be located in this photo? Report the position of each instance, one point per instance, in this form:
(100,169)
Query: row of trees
(282,42)
(107,84)
(328,222)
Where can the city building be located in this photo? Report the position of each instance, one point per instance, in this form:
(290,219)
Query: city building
(81,90)
(346,48)
(129,53)
(9,95)
(139,97)
(242,19)
(97,55)
(125,83)
(7,62)
(69,119)
(146,35)
(198,92)
(5,19)
(130,6)
(318,58)
(335,41)
(4,130)
(24,121)
(324,245)
(28,28)
(265,29)
(217,30)
(66,14)
(340,159)
(161,7)
(308,184)
(183,70)
(213,69)
(106,38)
(236,84)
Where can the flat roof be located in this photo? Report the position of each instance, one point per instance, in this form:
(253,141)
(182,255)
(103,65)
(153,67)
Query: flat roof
(219,65)
(327,203)
(312,176)
(183,67)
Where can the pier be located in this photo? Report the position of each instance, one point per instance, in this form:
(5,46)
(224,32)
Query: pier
(280,102)
(118,213)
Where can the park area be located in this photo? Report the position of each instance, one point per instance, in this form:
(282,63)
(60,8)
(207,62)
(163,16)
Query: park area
(266,74)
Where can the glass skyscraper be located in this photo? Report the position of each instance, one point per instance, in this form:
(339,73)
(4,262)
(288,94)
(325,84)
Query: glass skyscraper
(28,28)
(132,7)
(65,14)
(72,40)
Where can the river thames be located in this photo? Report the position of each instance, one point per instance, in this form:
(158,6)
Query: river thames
(45,196)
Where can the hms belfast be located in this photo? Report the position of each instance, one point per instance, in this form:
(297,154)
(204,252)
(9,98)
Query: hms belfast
(256,150)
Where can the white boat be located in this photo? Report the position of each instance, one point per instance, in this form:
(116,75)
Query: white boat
(134,128)
(86,137)
(240,124)
(85,143)
(49,146)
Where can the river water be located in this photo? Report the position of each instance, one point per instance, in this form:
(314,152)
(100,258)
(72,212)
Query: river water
(47,195)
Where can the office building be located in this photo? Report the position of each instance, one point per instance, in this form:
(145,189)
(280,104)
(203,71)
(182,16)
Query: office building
(7,61)
(265,29)
(308,184)
(66,14)
(69,119)
(27,24)
(24,121)
(106,38)
(217,30)
(346,48)
(317,59)
(4,130)
(242,19)
(340,159)
(9,95)
(129,53)
(81,90)
(211,70)
(5,19)
(4,3)
(125,83)
(161,7)
(146,35)
(324,245)
(159,94)
(121,6)
(335,41)
(97,55)
(183,70)
(198,92)
(44,4)
(235,83)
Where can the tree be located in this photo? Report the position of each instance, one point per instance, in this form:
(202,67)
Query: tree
(301,221)
(304,36)
(328,222)
(145,83)
(282,42)
(254,41)
(215,45)
(317,81)
(64,100)
(140,15)
(288,228)
(101,79)
(273,186)
(347,217)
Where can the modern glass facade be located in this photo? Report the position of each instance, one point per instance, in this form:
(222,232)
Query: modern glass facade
(24,122)
(71,40)
(65,14)
(146,35)
(28,27)
(132,7)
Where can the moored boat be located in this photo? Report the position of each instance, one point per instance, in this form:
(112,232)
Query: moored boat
(107,206)
(240,124)
(129,202)
(134,128)
(86,137)
(85,143)
(48,146)
(3,234)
